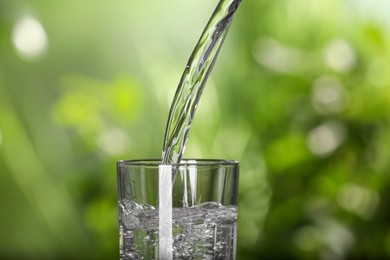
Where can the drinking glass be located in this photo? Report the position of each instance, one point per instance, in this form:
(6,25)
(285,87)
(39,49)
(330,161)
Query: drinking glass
(186,210)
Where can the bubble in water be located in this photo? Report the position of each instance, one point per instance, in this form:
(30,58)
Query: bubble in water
(210,205)
(206,231)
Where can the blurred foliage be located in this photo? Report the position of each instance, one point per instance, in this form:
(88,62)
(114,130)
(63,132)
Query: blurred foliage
(300,95)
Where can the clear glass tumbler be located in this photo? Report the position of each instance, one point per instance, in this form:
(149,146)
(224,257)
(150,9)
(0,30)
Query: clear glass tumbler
(180,211)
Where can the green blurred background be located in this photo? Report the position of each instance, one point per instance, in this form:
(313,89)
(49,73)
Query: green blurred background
(300,95)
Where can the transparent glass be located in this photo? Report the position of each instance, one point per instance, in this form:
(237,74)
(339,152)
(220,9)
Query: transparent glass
(194,219)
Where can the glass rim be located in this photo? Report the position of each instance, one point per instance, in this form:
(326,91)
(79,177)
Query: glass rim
(182,163)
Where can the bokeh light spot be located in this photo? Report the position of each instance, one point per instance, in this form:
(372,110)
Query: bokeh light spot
(113,141)
(29,38)
(358,200)
(277,57)
(339,55)
(328,95)
(308,238)
(326,138)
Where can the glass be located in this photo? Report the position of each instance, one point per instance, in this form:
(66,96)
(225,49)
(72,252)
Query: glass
(194,219)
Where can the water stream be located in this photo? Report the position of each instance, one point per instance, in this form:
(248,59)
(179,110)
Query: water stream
(182,112)
(193,80)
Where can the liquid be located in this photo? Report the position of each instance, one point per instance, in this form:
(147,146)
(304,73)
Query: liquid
(194,79)
(206,231)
